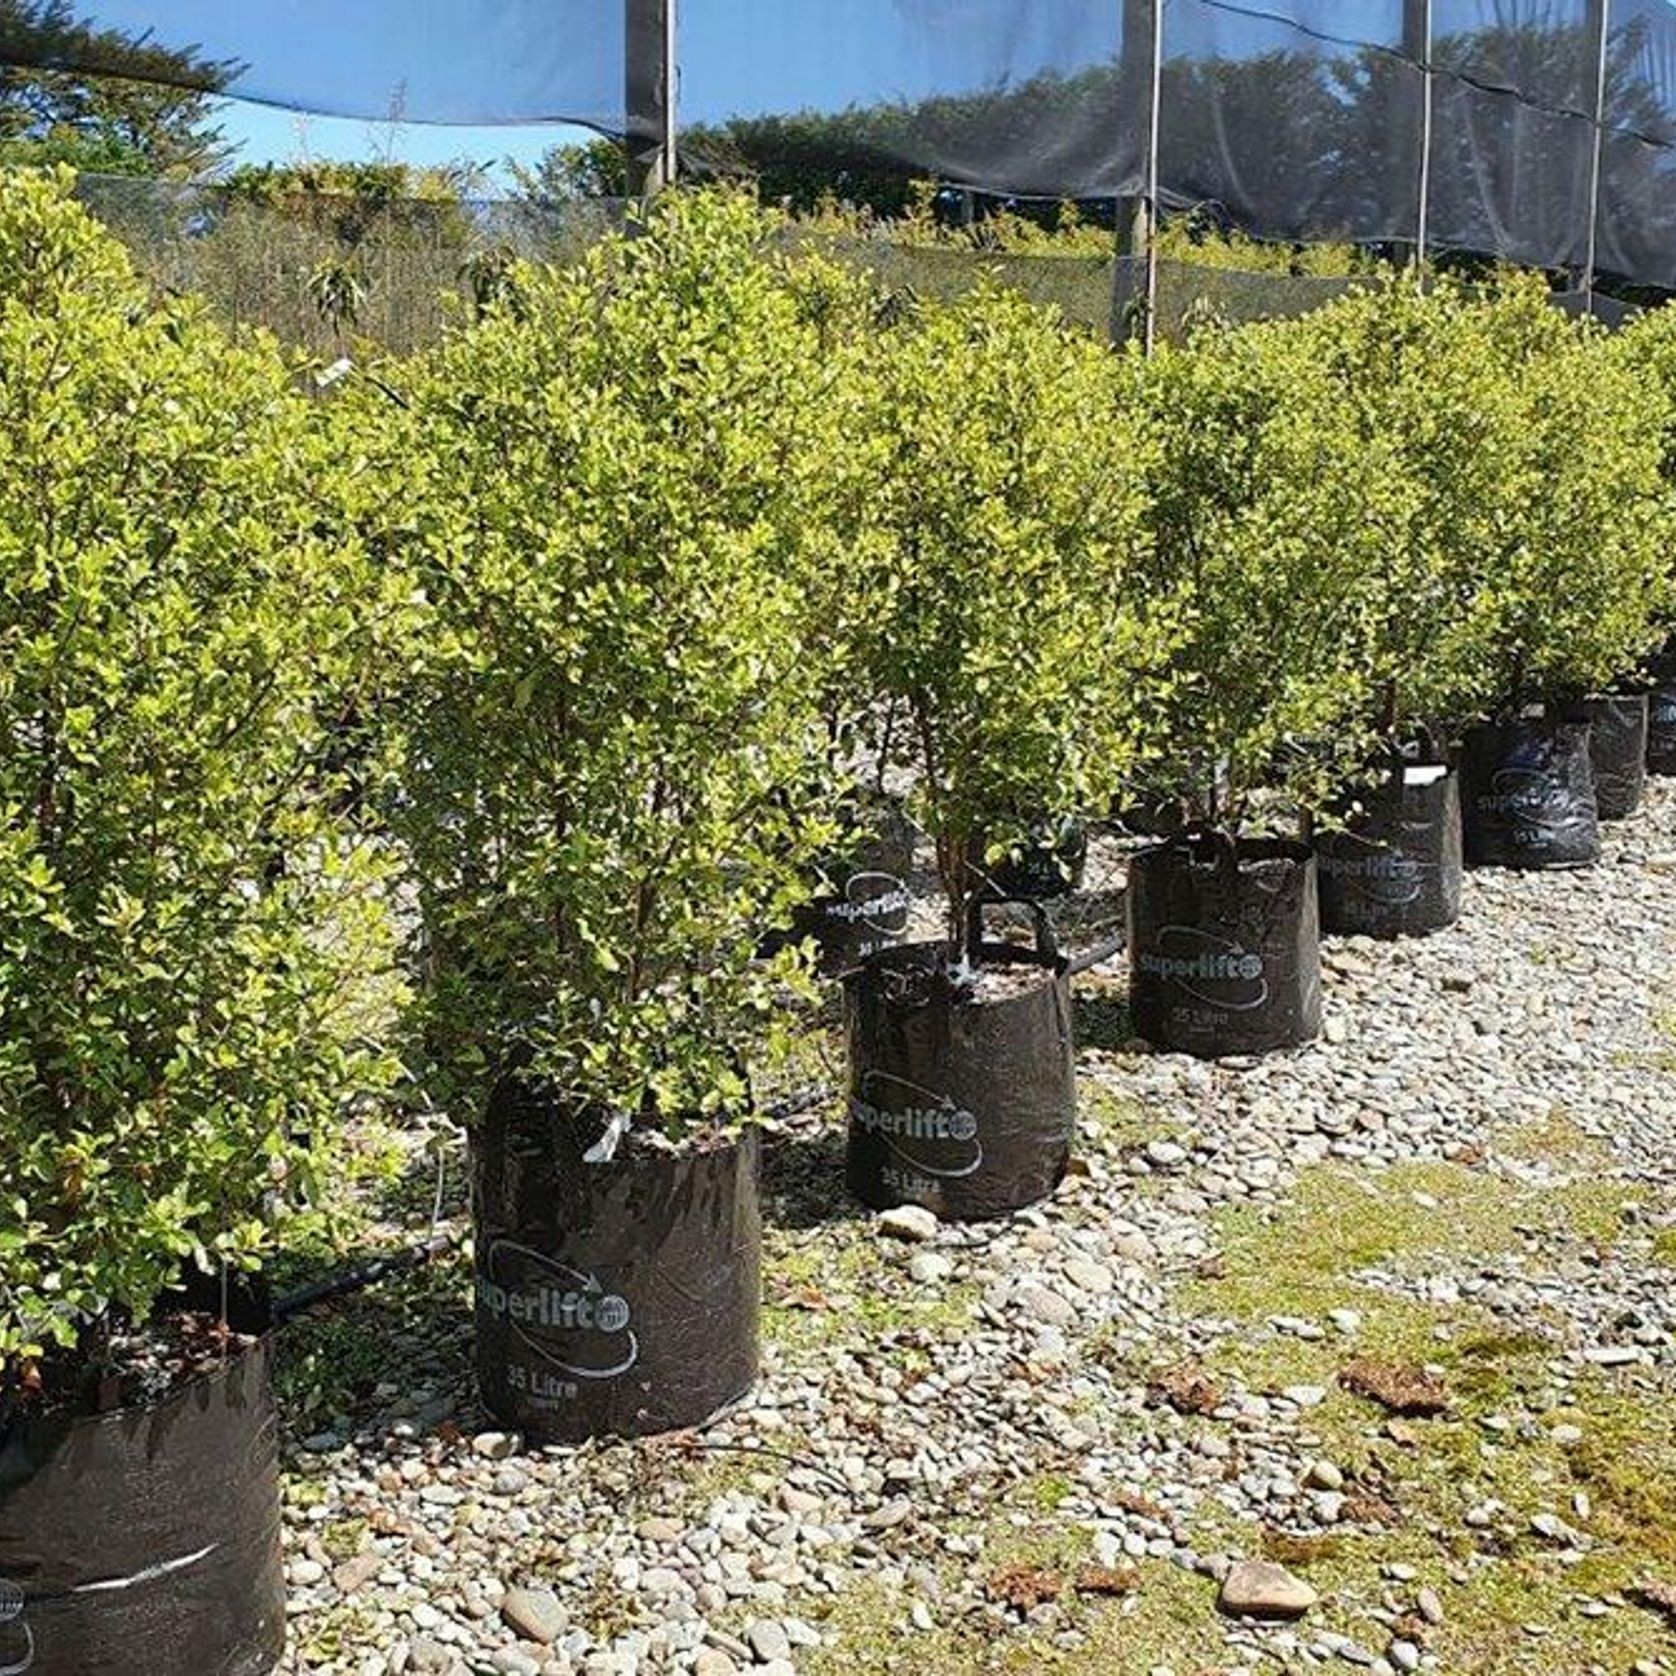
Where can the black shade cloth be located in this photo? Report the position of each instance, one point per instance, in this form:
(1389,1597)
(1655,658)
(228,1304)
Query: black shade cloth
(1015,98)
(1516,84)
(1294,119)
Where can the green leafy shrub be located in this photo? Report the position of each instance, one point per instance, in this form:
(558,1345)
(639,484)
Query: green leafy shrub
(1004,508)
(1196,243)
(1265,532)
(1646,351)
(184,929)
(1406,507)
(611,501)
(848,312)
(1569,598)
(1522,519)
(1419,379)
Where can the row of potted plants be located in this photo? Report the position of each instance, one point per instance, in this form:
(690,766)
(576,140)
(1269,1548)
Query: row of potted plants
(549,673)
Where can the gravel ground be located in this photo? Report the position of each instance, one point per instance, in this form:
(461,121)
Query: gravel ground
(955,1425)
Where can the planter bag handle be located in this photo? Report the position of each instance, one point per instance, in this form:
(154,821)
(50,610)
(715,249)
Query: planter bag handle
(1047,945)
(1224,848)
(1426,739)
(1417,749)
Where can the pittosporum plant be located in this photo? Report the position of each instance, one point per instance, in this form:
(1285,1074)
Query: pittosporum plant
(1507,490)
(1266,528)
(1646,350)
(847,311)
(186,929)
(1418,381)
(1569,598)
(1647,346)
(997,621)
(610,505)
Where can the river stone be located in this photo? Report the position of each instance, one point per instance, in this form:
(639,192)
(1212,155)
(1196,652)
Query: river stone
(534,1615)
(929,1268)
(913,1223)
(768,1641)
(1260,1589)
(1325,1475)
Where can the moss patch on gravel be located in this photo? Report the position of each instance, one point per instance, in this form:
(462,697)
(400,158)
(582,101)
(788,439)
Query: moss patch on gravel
(1169,1620)
(1514,1599)
(1112,1122)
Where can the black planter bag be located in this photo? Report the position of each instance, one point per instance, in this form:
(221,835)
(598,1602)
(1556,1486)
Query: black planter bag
(866,909)
(1157,817)
(1395,869)
(1661,729)
(1618,743)
(966,1106)
(1528,795)
(1224,945)
(148,1539)
(1051,867)
(869,915)
(612,1299)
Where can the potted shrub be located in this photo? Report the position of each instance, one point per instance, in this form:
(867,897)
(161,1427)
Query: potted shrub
(182,929)
(1421,381)
(1262,533)
(1567,601)
(995,618)
(605,755)
(1647,349)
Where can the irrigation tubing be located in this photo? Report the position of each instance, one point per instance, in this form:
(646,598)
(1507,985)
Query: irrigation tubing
(1096,954)
(349,1282)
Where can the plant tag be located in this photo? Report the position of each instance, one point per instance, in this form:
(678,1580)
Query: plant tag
(605,1148)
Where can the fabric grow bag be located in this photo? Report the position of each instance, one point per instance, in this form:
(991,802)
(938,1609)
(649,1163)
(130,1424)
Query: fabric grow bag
(1158,817)
(962,1103)
(1618,726)
(1224,945)
(612,1299)
(1528,794)
(1395,869)
(868,915)
(866,904)
(1661,729)
(1050,867)
(147,1539)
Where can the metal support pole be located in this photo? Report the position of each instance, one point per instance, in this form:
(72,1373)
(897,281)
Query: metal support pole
(1600,14)
(1418,26)
(671,89)
(1154,152)
(1135,291)
(649,84)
